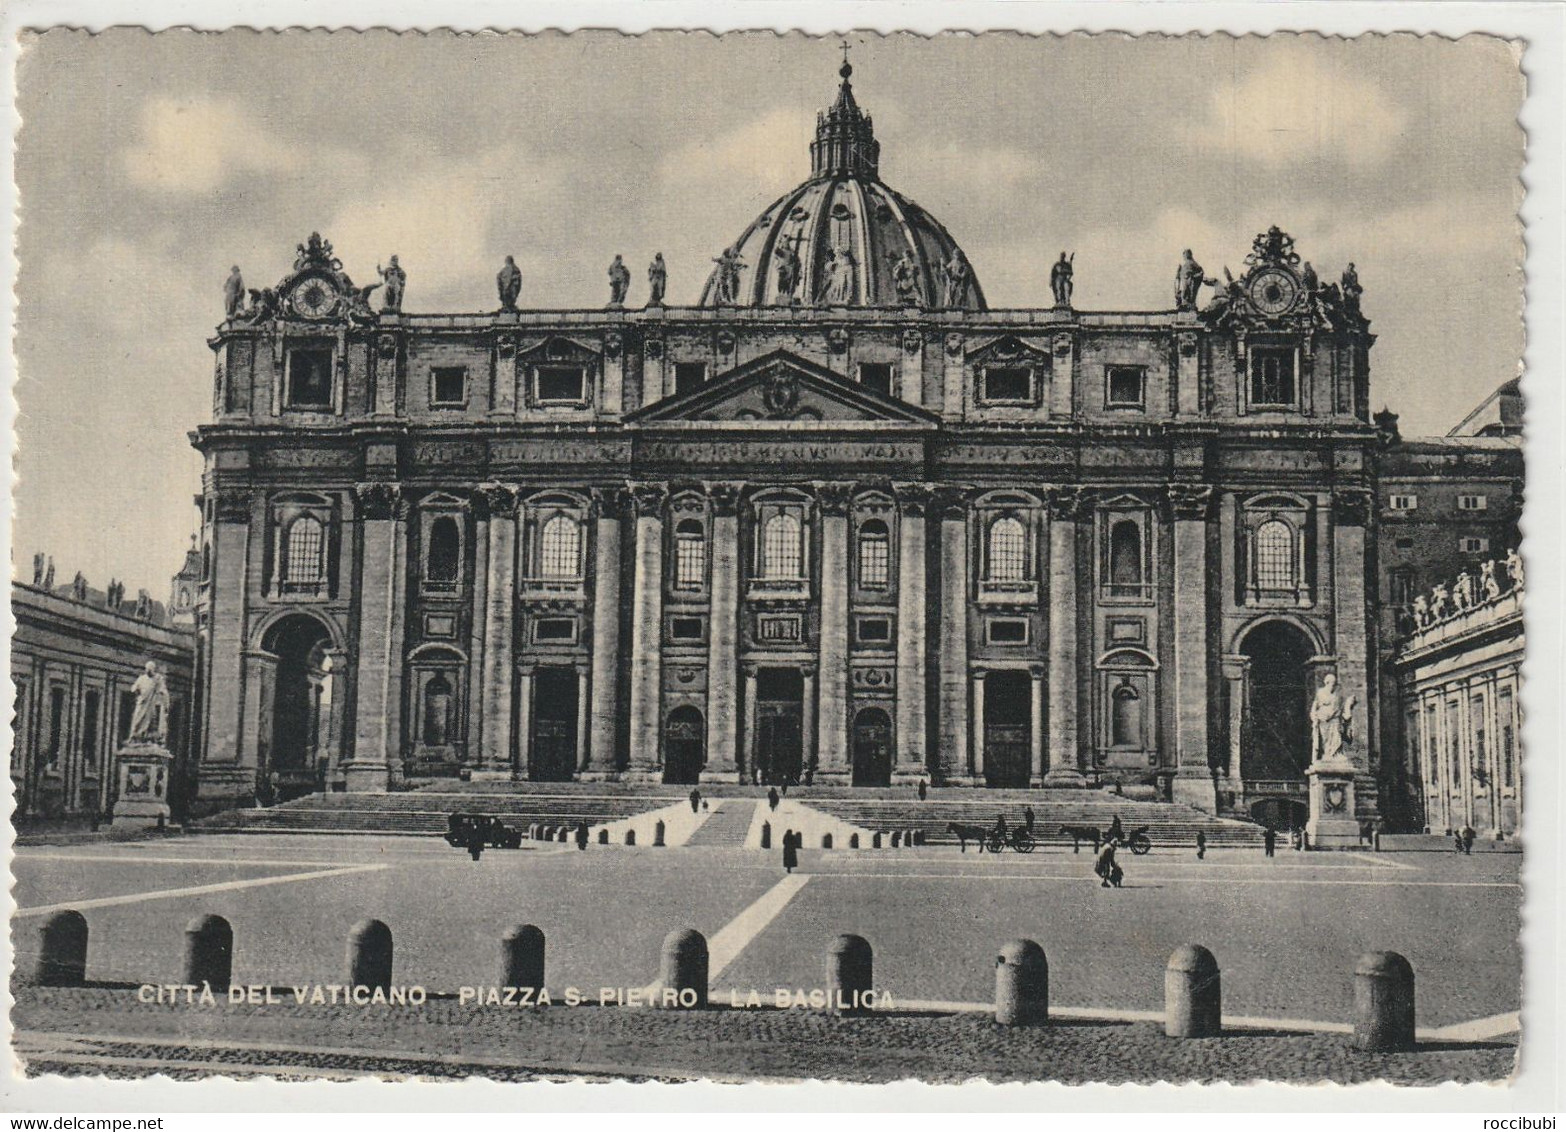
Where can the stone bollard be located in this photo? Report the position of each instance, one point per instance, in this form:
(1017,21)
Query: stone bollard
(370,955)
(766,835)
(1383,1002)
(875,841)
(522,957)
(658,831)
(826,841)
(897,838)
(564,835)
(603,836)
(1193,1003)
(1021,984)
(62,950)
(853,841)
(683,969)
(918,837)
(908,839)
(630,837)
(209,952)
(849,966)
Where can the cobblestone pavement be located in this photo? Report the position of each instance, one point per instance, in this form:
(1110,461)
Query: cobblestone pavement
(1286,931)
(446,1039)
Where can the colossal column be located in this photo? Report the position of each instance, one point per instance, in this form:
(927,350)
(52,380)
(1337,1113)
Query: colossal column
(952,756)
(723,632)
(377,718)
(646,628)
(1065,504)
(608,503)
(495,748)
(1351,621)
(223,775)
(912,745)
(1037,758)
(832,726)
(1190,504)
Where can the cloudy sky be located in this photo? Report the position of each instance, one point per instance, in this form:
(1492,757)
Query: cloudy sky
(147,165)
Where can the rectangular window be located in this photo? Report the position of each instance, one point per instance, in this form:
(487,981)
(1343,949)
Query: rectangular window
(1007,385)
(1124,387)
(560,385)
(449,386)
(1472,503)
(1402,502)
(555,630)
(1272,376)
(875,559)
(1469,544)
(688,376)
(876,376)
(90,729)
(1007,631)
(873,630)
(56,725)
(309,378)
(685,629)
(777,628)
(1401,589)
(1403,543)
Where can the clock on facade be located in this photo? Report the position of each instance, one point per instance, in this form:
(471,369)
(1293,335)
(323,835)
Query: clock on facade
(1273,291)
(314,298)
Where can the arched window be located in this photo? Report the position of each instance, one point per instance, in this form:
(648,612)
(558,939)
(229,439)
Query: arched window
(305,556)
(781,555)
(1125,717)
(1008,551)
(1125,559)
(1275,555)
(444,555)
(690,554)
(875,555)
(437,711)
(560,548)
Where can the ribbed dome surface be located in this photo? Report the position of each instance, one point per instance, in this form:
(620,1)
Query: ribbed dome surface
(843,238)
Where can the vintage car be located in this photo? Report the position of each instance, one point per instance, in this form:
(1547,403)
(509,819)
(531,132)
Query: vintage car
(491,832)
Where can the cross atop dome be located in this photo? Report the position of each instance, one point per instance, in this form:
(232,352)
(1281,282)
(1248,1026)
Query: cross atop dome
(845,140)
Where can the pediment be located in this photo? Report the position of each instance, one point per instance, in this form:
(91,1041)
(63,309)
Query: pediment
(780,390)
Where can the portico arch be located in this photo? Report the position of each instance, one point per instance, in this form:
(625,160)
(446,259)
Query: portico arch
(295,681)
(1275,736)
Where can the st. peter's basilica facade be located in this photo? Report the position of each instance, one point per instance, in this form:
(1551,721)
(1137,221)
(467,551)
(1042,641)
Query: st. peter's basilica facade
(841,521)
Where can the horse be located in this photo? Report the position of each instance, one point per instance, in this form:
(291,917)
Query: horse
(965,833)
(1081,833)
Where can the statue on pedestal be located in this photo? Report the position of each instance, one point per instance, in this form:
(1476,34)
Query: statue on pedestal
(1188,281)
(509,283)
(396,281)
(150,718)
(1487,580)
(1421,612)
(905,278)
(1438,608)
(619,282)
(1060,279)
(233,292)
(657,280)
(1331,721)
(959,277)
(1514,568)
(788,270)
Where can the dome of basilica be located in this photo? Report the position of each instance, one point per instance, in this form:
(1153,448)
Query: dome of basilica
(844,238)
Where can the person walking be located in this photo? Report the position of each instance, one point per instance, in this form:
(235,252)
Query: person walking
(1027,819)
(1201,845)
(1468,840)
(772,797)
(1269,840)
(695,800)
(581,836)
(790,851)
(924,790)
(1105,866)
(1117,831)
(1457,840)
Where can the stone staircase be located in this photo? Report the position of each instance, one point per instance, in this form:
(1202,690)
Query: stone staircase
(728,824)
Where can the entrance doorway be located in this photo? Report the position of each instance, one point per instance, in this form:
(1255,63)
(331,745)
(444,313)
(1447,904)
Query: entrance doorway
(684,746)
(295,734)
(1280,813)
(1275,740)
(1008,726)
(872,748)
(554,725)
(780,716)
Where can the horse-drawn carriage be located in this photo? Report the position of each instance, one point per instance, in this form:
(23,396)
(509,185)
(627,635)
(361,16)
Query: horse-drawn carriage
(464,831)
(1137,840)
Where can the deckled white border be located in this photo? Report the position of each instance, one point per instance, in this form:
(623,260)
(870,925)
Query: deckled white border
(1537,1088)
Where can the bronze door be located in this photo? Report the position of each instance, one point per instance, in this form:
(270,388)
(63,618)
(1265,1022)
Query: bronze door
(872,748)
(554,726)
(1008,723)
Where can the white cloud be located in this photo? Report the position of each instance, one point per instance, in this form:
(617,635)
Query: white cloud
(1296,109)
(770,151)
(196,145)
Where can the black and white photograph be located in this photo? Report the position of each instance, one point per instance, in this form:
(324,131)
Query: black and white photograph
(772,557)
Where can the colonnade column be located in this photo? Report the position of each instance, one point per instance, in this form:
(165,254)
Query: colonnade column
(377,718)
(495,750)
(1036,747)
(810,739)
(1236,672)
(951,758)
(723,632)
(831,749)
(525,713)
(977,769)
(608,503)
(912,758)
(646,628)
(1193,783)
(749,772)
(1065,504)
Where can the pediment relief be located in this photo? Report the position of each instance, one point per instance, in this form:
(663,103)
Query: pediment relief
(556,349)
(781,389)
(1011,349)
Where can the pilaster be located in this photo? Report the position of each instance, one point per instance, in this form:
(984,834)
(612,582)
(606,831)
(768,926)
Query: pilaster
(951,757)
(723,632)
(1190,504)
(646,628)
(608,505)
(1065,507)
(377,715)
(832,725)
(912,743)
(496,746)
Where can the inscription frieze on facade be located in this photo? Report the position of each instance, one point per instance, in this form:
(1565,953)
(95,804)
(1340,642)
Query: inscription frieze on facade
(549,451)
(790,453)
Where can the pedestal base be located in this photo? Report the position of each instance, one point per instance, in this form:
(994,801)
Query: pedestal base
(492,775)
(1196,791)
(1064,778)
(366,778)
(1332,824)
(144,786)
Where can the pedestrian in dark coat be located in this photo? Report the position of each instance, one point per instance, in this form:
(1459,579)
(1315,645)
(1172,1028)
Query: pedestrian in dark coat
(790,851)
(1201,845)
(1105,866)
(1117,832)
(1027,819)
(1269,840)
(475,842)
(924,790)
(695,801)
(1457,840)
(581,836)
(772,797)
(1468,839)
